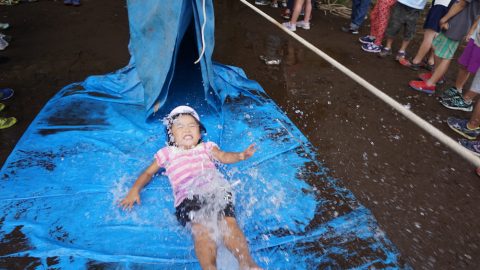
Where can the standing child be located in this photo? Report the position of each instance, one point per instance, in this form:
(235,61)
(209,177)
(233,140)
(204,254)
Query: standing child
(469,64)
(404,14)
(201,193)
(455,24)
(432,28)
(297,9)
(378,23)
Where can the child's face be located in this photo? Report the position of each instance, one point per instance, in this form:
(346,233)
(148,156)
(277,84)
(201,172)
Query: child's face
(185,131)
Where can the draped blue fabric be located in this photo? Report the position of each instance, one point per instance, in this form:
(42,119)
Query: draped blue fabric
(61,185)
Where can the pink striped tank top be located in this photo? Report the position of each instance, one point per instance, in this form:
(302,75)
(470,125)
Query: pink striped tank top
(189,169)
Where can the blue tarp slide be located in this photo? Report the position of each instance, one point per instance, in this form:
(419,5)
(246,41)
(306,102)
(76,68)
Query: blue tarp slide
(61,185)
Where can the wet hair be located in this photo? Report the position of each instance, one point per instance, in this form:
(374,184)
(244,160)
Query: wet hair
(168,125)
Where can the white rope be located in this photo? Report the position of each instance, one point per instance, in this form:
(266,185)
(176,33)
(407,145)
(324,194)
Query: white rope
(429,128)
(203,32)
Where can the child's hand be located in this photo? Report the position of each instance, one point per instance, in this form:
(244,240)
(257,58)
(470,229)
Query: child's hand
(247,153)
(128,202)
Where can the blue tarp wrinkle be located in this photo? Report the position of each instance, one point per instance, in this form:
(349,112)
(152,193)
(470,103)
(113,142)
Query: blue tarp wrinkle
(61,184)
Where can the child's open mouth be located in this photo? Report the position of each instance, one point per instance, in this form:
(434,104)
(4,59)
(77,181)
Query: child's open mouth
(188,137)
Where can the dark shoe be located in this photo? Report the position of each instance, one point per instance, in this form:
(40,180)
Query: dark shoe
(458,103)
(348,29)
(371,47)
(6,93)
(450,93)
(461,127)
(366,39)
(408,63)
(67,2)
(473,146)
(76,3)
(385,52)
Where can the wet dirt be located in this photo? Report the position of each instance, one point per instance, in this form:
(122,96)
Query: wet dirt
(424,196)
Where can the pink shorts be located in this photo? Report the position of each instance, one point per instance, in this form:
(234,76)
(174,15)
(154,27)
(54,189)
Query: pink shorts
(470,57)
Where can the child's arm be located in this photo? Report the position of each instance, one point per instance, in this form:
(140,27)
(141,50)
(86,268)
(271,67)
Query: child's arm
(454,10)
(472,29)
(133,195)
(232,157)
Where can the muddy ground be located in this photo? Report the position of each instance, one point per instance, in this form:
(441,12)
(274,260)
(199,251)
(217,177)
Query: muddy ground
(424,196)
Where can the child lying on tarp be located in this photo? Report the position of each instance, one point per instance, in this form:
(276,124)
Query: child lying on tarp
(203,198)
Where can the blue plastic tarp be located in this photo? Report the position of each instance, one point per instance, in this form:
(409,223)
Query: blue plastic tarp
(61,185)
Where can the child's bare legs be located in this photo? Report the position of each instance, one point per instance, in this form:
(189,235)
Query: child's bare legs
(441,67)
(296,11)
(236,243)
(474,121)
(425,47)
(388,44)
(308,11)
(462,78)
(205,247)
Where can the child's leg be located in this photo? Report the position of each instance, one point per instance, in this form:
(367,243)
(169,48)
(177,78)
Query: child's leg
(425,47)
(462,77)
(236,243)
(440,70)
(381,19)
(205,247)
(308,11)
(296,11)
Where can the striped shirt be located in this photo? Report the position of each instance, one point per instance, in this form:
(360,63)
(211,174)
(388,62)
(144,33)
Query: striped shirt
(187,170)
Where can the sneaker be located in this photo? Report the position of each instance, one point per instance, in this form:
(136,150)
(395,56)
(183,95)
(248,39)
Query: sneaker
(7,122)
(408,63)
(76,3)
(274,5)
(371,47)
(426,76)
(422,87)
(385,52)
(460,126)
(4,26)
(284,3)
(262,2)
(451,92)
(2,106)
(6,93)
(367,39)
(67,2)
(289,26)
(7,38)
(473,146)
(3,44)
(304,25)
(458,103)
(348,29)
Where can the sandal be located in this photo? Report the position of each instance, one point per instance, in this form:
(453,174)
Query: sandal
(400,55)
(408,63)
